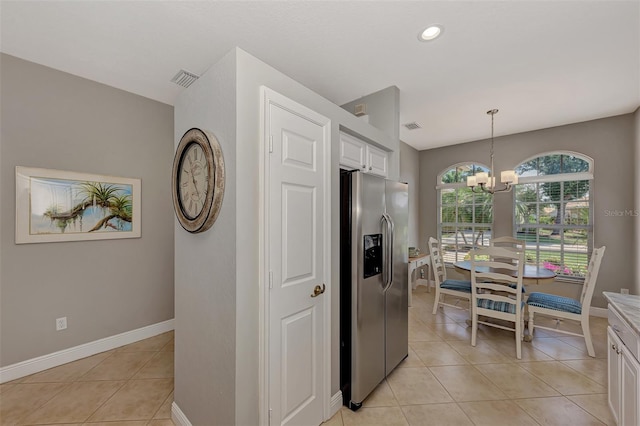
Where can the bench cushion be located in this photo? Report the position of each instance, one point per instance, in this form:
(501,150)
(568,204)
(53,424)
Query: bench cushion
(457,285)
(498,306)
(557,303)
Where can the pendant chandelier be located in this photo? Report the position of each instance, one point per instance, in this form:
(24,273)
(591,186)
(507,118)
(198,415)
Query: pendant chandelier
(487,181)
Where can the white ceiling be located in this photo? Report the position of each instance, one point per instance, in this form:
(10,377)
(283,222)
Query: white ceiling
(542,63)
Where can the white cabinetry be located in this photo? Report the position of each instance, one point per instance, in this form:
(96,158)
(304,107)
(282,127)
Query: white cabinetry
(376,161)
(624,371)
(352,152)
(357,154)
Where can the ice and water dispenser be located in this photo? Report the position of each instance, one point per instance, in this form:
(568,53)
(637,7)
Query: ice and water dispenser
(372,255)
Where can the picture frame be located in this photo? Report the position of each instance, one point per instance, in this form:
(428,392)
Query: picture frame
(57,205)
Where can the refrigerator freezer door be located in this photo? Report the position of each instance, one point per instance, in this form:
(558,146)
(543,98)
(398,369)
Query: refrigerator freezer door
(367,311)
(396,309)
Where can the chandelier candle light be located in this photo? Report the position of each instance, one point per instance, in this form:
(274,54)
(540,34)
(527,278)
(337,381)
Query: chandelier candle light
(486,181)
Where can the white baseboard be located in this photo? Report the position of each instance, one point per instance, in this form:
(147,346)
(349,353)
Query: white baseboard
(178,416)
(598,312)
(41,363)
(336,404)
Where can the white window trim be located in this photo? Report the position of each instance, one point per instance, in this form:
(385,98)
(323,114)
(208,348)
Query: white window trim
(560,177)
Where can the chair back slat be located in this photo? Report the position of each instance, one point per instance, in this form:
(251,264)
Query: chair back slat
(483,277)
(508,242)
(437,262)
(496,287)
(497,263)
(591,276)
(498,297)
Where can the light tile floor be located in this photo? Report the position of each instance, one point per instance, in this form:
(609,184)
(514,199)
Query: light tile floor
(446,381)
(128,386)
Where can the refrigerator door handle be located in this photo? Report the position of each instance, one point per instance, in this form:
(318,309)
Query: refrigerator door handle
(388,251)
(385,247)
(391,243)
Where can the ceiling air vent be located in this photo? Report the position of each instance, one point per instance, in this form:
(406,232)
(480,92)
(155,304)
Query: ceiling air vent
(412,126)
(184,78)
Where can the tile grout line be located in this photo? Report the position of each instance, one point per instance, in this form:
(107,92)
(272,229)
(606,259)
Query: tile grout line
(153,416)
(117,390)
(127,381)
(568,400)
(602,420)
(67,385)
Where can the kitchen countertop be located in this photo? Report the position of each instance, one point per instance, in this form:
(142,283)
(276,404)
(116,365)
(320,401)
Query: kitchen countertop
(628,306)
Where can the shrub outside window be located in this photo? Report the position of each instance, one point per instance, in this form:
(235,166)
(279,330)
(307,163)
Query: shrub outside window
(553,211)
(465,219)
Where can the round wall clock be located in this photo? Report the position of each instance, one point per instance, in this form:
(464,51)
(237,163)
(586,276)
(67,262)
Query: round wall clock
(198,180)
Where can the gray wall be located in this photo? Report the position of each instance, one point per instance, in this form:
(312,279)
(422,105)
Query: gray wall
(410,173)
(55,120)
(608,141)
(636,260)
(383,110)
(217,317)
(205,265)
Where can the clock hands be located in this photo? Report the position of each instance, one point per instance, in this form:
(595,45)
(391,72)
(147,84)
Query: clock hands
(193,190)
(193,179)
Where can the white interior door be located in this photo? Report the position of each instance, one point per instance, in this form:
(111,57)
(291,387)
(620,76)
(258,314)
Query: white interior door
(297,262)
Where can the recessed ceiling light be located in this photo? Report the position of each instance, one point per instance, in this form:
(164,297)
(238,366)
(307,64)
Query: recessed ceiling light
(431,32)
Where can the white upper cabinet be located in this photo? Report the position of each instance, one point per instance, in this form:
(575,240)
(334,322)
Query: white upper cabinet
(352,152)
(377,161)
(357,154)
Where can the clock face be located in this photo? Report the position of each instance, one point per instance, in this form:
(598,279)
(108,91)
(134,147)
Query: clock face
(193,178)
(198,180)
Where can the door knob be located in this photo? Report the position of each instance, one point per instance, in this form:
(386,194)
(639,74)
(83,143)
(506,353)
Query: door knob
(318,290)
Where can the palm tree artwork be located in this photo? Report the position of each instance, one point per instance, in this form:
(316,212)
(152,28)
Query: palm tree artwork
(67,206)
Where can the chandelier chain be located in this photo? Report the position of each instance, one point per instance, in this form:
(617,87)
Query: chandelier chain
(492,112)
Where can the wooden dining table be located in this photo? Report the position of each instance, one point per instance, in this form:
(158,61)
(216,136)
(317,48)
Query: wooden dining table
(532,274)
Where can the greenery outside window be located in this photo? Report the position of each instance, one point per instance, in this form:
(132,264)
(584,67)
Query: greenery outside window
(553,211)
(465,218)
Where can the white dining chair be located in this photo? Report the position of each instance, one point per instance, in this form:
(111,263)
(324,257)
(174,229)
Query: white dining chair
(496,291)
(508,242)
(560,307)
(461,289)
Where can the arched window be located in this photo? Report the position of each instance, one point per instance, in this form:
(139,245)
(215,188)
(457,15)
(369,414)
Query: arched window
(465,219)
(553,211)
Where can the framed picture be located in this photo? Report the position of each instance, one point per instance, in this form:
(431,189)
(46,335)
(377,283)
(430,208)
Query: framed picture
(56,205)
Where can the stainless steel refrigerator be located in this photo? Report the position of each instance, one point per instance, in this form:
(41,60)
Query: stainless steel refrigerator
(373,282)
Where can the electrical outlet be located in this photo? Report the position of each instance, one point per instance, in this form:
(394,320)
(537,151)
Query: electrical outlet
(624,291)
(61,323)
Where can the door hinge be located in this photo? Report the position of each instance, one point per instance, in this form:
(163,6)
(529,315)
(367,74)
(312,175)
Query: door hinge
(270,143)
(270,279)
